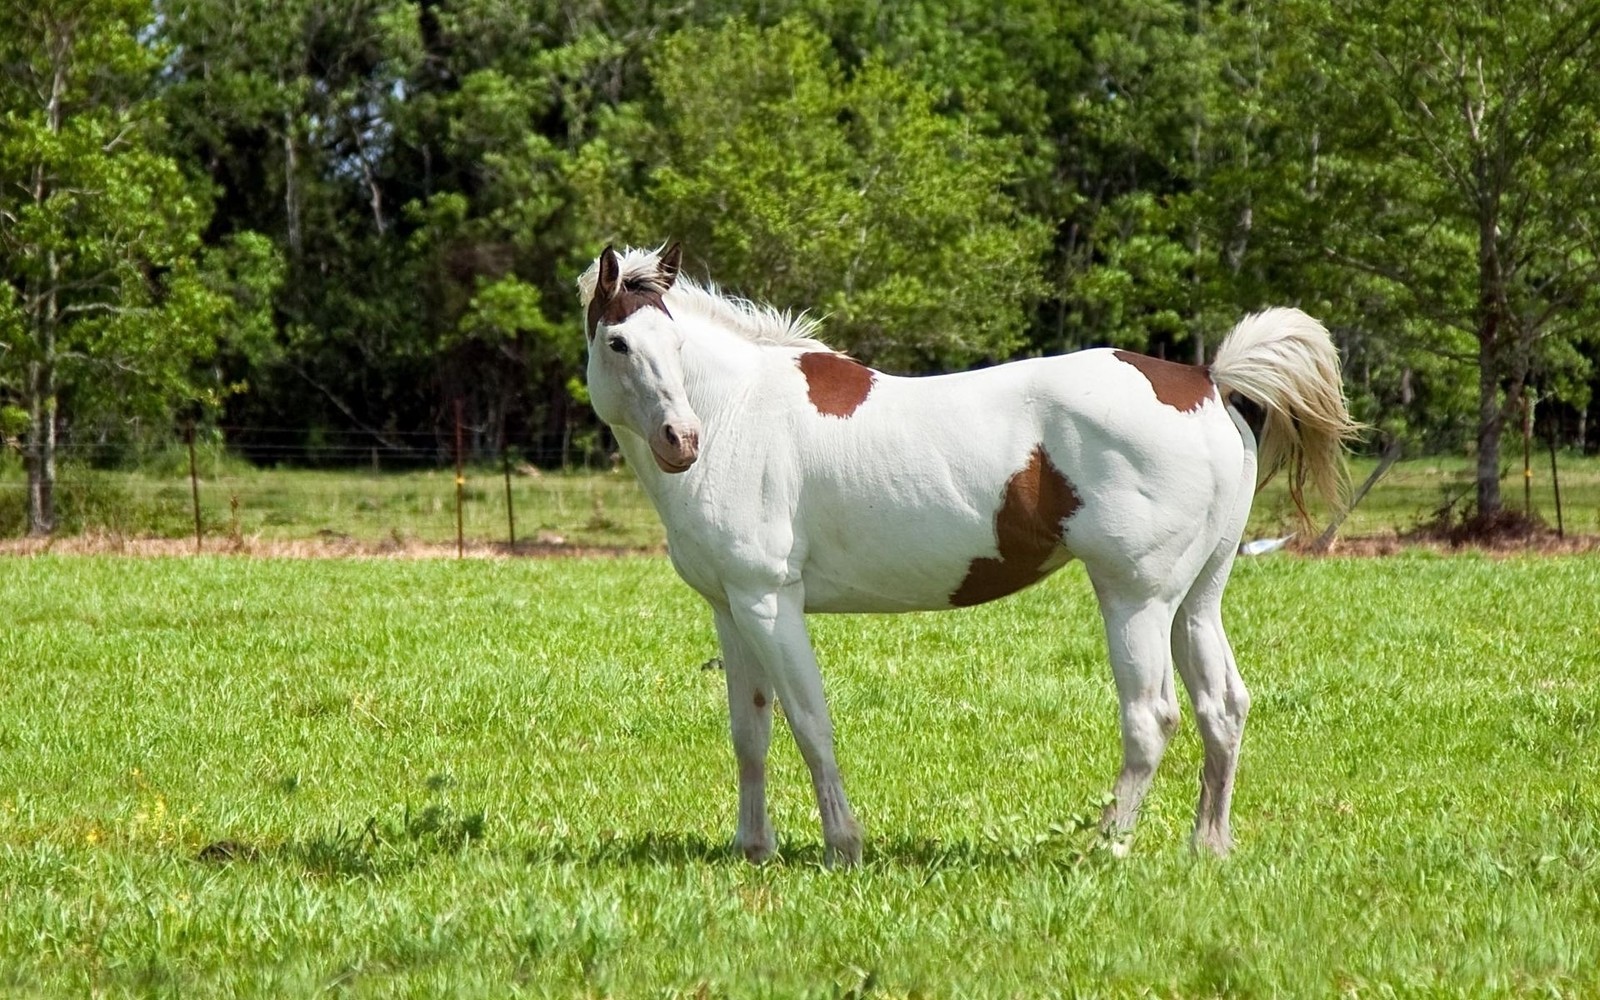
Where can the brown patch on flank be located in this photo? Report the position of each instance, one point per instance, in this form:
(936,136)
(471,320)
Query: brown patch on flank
(1182,387)
(1027,528)
(628,300)
(835,383)
(761,700)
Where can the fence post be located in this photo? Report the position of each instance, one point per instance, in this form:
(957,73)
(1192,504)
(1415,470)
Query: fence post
(461,483)
(194,487)
(1527,461)
(1555,479)
(511,514)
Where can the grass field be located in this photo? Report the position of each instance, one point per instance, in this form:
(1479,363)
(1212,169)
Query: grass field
(244,507)
(231,777)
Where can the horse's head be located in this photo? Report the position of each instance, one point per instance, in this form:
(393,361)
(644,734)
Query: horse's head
(635,371)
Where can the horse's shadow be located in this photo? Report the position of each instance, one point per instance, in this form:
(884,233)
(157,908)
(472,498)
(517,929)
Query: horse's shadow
(654,848)
(380,847)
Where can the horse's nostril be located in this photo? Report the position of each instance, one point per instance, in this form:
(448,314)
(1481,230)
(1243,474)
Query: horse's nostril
(671,434)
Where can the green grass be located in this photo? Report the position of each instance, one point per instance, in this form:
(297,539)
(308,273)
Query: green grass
(504,778)
(608,509)
(1414,490)
(605,509)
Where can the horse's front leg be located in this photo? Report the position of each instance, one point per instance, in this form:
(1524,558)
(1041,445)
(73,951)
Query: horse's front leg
(750,724)
(773,625)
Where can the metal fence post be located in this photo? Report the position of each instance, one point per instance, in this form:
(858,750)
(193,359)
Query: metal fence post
(194,487)
(461,483)
(511,513)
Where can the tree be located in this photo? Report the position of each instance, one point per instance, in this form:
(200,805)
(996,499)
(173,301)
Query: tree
(290,110)
(412,160)
(1450,151)
(846,194)
(108,292)
(1163,140)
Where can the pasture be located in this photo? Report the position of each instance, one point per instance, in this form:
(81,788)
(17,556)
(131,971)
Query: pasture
(254,777)
(261,509)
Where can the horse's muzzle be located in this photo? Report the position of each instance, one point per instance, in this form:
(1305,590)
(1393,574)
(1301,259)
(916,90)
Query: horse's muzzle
(675,447)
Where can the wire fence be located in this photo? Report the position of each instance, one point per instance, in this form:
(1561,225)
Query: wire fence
(341,493)
(262,488)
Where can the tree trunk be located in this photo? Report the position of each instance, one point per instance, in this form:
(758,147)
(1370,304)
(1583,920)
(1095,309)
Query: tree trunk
(1489,418)
(291,191)
(41,453)
(1491,316)
(40,458)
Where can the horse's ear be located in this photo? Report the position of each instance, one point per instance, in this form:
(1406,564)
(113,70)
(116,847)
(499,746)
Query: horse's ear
(671,262)
(610,271)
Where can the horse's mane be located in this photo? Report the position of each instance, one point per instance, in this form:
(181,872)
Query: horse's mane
(757,323)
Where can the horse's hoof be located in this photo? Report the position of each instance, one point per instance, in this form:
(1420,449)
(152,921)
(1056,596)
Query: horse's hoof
(1211,845)
(845,853)
(757,852)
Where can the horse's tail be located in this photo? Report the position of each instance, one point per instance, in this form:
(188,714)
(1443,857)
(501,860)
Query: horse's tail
(1284,361)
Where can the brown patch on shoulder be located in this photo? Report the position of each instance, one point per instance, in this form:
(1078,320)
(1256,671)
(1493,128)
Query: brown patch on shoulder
(628,300)
(1182,387)
(1027,528)
(835,383)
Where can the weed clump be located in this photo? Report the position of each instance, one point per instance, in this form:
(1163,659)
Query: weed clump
(382,845)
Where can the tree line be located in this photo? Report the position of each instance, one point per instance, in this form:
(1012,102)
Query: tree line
(346,215)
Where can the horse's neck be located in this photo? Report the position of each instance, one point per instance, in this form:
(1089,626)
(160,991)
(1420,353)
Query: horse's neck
(718,367)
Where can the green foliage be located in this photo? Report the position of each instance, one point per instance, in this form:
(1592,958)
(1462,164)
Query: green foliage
(1456,189)
(96,502)
(13,421)
(347,217)
(112,304)
(844,193)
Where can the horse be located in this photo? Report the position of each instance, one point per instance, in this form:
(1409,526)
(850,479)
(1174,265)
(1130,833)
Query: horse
(792,479)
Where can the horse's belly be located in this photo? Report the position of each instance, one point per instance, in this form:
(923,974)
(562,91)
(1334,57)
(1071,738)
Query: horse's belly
(831,596)
(954,534)
(927,571)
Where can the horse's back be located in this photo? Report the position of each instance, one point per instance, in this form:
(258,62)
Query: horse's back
(952,490)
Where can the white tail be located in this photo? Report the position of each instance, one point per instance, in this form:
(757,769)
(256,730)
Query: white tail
(1285,362)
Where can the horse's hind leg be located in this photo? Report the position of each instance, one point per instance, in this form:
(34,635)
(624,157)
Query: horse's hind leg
(1138,638)
(750,724)
(1221,702)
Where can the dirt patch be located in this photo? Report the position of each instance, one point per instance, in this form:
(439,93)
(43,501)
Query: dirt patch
(1541,542)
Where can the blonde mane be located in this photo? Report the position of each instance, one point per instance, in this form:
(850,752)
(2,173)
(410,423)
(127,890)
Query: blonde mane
(759,324)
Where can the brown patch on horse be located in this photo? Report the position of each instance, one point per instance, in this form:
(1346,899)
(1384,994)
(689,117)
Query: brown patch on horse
(629,299)
(836,384)
(1027,528)
(1182,387)
(761,700)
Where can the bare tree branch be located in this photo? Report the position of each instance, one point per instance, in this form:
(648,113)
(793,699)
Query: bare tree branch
(333,397)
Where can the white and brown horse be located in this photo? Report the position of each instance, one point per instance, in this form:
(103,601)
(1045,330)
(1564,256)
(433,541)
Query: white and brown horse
(792,479)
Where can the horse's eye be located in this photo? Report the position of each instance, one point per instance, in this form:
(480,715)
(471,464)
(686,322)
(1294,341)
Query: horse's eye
(618,344)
